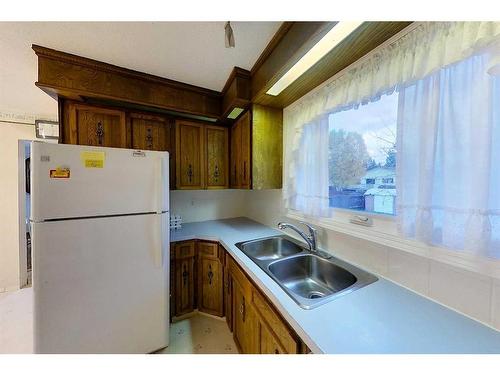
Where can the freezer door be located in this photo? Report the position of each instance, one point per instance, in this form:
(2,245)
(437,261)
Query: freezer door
(69,181)
(101,285)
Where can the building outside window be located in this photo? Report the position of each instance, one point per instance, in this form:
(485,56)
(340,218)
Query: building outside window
(362,157)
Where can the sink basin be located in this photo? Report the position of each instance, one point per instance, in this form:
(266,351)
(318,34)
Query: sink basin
(311,277)
(271,248)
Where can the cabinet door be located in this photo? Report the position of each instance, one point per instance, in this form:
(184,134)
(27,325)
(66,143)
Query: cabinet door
(235,155)
(150,132)
(245,154)
(184,286)
(210,286)
(243,321)
(217,157)
(172,282)
(190,155)
(267,342)
(228,305)
(95,126)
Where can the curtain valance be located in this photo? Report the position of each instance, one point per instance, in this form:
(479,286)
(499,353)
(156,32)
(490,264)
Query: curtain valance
(422,51)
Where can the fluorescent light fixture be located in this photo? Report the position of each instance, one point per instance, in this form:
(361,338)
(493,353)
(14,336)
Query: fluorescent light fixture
(336,35)
(235,113)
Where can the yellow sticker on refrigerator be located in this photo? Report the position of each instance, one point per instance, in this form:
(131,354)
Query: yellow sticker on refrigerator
(92,159)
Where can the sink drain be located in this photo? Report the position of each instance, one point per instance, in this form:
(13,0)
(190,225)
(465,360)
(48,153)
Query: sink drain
(314,295)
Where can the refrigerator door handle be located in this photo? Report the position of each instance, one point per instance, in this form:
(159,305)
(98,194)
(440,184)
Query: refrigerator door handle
(157,249)
(159,186)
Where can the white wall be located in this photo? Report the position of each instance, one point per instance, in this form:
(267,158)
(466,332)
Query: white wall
(9,214)
(470,293)
(199,205)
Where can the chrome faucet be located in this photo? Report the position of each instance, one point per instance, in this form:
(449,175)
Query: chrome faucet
(310,239)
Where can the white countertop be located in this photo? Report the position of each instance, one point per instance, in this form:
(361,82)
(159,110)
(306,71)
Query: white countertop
(379,318)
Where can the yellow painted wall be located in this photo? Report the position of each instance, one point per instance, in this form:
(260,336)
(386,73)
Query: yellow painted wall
(10,134)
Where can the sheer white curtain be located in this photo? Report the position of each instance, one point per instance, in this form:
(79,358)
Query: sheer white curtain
(309,177)
(422,51)
(448,158)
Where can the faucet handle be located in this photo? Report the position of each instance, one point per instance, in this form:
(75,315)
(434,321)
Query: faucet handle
(312,231)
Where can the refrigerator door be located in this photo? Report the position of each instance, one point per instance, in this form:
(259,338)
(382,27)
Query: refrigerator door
(71,181)
(101,285)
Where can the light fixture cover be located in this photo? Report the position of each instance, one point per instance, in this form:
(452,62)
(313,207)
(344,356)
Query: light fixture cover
(331,39)
(235,113)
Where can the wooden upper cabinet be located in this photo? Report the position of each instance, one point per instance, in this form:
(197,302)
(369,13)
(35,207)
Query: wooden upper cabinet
(217,139)
(190,156)
(241,153)
(150,132)
(245,162)
(95,126)
(235,156)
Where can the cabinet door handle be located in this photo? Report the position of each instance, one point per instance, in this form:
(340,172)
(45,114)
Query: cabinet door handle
(190,173)
(149,139)
(210,275)
(216,173)
(99,132)
(185,275)
(242,309)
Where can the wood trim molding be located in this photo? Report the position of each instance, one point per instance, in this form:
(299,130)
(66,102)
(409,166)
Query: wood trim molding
(72,76)
(291,42)
(236,91)
(285,26)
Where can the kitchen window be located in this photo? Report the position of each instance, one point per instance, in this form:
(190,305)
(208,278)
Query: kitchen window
(362,157)
(411,134)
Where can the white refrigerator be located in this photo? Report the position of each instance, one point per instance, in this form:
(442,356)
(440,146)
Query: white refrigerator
(100,244)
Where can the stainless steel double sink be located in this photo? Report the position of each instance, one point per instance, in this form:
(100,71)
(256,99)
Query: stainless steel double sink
(311,280)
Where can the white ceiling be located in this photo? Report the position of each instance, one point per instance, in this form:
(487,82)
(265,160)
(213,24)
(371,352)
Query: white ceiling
(191,52)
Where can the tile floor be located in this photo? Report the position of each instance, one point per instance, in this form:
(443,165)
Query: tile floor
(199,334)
(16,321)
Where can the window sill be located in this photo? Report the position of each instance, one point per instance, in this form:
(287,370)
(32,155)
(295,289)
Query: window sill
(383,233)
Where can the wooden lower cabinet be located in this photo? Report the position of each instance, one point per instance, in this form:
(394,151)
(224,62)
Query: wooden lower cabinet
(184,265)
(223,288)
(228,294)
(267,341)
(243,321)
(210,279)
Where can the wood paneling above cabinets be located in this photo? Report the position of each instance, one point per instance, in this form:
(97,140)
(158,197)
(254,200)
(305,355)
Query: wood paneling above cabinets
(74,77)
(236,94)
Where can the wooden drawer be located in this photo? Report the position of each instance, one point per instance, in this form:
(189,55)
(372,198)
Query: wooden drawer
(275,323)
(241,278)
(185,249)
(208,249)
